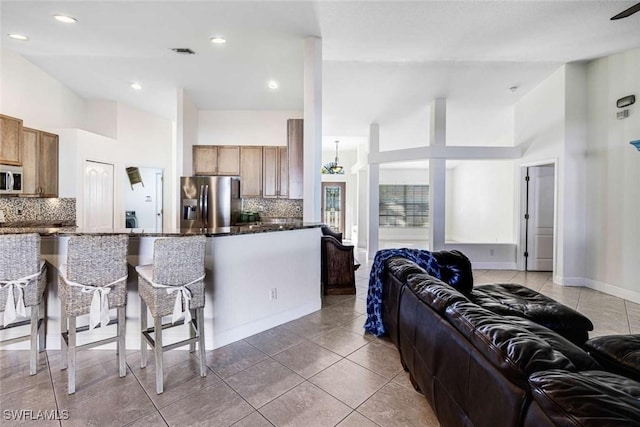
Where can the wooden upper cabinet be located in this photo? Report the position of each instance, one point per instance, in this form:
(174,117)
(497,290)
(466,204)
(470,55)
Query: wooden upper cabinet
(30,144)
(216,160)
(228,160)
(296,160)
(250,171)
(48,164)
(205,159)
(40,167)
(10,141)
(275,167)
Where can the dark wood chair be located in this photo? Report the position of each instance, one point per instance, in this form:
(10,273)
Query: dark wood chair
(327,231)
(337,267)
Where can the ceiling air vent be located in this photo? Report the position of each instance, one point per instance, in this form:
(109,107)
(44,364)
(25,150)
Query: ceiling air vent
(183,51)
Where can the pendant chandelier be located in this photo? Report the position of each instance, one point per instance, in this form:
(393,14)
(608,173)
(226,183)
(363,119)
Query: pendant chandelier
(333,167)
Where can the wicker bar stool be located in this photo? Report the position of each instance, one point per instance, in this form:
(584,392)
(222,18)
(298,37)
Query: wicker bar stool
(173,286)
(93,281)
(23,280)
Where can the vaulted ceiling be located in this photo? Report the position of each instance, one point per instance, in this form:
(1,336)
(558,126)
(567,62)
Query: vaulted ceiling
(383,61)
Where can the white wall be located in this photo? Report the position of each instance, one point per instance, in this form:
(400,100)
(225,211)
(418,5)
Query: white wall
(613,179)
(35,97)
(244,127)
(479,206)
(540,129)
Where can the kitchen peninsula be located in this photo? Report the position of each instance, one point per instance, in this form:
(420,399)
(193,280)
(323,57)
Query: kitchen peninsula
(258,276)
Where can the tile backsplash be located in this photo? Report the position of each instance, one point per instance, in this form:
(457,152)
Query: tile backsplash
(274,208)
(19,209)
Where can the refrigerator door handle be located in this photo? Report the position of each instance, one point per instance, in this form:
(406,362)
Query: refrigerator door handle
(205,197)
(201,206)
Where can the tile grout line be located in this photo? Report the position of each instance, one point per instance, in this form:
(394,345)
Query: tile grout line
(53,389)
(149,397)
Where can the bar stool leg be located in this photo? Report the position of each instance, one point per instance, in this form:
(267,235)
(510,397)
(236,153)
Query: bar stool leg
(42,330)
(143,338)
(158,353)
(33,352)
(64,329)
(71,372)
(121,342)
(192,331)
(200,318)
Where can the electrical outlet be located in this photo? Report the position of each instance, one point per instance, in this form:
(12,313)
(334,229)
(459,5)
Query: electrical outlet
(260,208)
(273,294)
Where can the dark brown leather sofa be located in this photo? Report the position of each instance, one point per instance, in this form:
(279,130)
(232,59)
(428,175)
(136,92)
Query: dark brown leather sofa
(477,367)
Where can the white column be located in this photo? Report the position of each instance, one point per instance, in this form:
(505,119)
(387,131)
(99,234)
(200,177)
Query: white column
(374,193)
(312,132)
(437,175)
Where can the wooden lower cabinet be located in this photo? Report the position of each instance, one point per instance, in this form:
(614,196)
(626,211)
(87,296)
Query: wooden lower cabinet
(40,165)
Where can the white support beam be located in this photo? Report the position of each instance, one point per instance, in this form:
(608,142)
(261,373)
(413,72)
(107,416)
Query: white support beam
(446,152)
(437,175)
(374,193)
(312,132)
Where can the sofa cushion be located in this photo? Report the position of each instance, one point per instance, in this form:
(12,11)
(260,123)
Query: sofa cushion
(590,398)
(455,269)
(619,353)
(517,300)
(401,268)
(433,292)
(517,347)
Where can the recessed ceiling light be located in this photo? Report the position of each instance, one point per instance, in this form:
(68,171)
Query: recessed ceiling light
(66,19)
(273,84)
(218,40)
(136,86)
(19,37)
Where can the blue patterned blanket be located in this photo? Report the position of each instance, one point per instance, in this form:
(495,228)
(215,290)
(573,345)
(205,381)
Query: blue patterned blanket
(423,258)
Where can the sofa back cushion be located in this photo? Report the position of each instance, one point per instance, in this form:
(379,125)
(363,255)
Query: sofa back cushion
(433,292)
(516,347)
(455,269)
(590,398)
(401,268)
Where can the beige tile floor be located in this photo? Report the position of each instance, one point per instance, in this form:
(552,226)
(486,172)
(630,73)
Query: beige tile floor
(319,370)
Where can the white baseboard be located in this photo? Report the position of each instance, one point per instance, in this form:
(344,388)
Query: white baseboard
(493,265)
(606,288)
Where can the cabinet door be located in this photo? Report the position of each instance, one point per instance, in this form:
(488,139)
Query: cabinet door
(30,143)
(48,165)
(250,171)
(205,159)
(10,141)
(270,172)
(283,172)
(295,143)
(228,160)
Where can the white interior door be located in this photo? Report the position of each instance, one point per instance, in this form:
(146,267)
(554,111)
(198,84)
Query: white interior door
(540,218)
(98,196)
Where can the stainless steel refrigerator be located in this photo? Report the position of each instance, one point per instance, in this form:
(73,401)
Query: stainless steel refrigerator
(209,203)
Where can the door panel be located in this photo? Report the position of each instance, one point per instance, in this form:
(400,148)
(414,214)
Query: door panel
(540,228)
(98,196)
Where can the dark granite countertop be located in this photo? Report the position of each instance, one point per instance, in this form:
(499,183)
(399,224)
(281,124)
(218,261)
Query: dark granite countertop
(66,229)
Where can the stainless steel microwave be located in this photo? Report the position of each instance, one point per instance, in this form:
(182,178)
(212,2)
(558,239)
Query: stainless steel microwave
(10,179)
